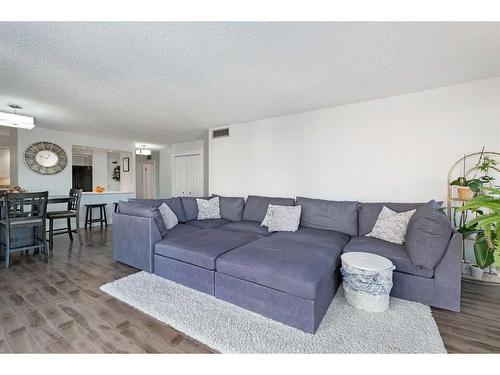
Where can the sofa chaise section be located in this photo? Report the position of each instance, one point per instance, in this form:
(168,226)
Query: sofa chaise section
(190,259)
(134,239)
(292,282)
(438,287)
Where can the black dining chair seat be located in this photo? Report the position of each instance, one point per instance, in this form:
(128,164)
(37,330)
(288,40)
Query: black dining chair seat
(60,214)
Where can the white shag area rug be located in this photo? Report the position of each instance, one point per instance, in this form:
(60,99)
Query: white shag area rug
(407,327)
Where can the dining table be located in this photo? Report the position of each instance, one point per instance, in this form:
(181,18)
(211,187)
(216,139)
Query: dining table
(24,236)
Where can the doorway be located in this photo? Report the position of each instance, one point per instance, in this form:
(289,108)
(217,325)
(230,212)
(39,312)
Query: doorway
(148,180)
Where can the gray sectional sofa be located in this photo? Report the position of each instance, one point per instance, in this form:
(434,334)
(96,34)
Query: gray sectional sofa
(290,277)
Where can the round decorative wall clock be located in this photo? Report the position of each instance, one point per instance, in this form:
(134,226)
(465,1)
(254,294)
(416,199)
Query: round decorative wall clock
(45,158)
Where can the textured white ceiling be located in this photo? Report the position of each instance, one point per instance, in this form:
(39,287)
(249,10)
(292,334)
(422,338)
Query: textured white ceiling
(168,82)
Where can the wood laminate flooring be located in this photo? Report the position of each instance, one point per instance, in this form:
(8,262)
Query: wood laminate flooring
(57,307)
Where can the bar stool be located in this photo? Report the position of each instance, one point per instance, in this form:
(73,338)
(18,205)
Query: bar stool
(116,206)
(102,218)
(72,211)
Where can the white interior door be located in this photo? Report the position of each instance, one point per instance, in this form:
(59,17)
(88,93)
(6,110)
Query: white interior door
(188,175)
(148,180)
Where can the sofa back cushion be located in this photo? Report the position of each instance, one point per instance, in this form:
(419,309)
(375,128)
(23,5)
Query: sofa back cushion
(339,216)
(368,213)
(175,205)
(231,208)
(256,206)
(141,210)
(191,207)
(428,234)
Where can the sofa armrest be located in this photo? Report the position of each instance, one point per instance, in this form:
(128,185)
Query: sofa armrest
(448,275)
(134,239)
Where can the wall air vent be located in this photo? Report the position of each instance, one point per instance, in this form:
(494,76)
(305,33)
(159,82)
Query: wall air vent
(219,133)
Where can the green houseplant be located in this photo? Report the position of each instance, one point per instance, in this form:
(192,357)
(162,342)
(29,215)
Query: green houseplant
(487,164)
(467,188)
(487,226)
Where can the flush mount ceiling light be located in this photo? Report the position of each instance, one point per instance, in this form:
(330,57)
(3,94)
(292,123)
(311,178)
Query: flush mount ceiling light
(14,120)
(143,151)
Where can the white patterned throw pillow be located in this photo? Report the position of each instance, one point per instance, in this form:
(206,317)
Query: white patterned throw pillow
(282,218)
(168,216)
(391,225)
(208,208)
(267,218)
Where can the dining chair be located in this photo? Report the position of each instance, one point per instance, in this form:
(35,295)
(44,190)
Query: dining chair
(73,211)
(24,212)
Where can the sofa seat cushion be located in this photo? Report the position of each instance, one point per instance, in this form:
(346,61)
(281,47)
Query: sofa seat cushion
(208,223)
(245,226)
(180,229)
(291,267)
(201,248)
(395,253)
(315,237)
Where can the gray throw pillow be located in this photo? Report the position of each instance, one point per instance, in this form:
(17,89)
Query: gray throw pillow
(169,217)
(428,234)
(138,209)
(231,208)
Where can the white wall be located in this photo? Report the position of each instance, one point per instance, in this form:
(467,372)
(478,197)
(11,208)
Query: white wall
(127,178)
(392,149)
(100,169)
(8,139)
(61,182)
(165,173)
(4,164)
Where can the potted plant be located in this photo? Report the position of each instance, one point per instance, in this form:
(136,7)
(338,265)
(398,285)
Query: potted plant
(487,225)
(466,189)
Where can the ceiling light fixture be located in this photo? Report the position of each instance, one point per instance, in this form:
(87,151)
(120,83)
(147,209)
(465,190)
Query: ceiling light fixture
(14,120)
(143,151)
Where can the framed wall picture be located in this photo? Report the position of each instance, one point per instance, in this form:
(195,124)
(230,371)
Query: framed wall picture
(126,164)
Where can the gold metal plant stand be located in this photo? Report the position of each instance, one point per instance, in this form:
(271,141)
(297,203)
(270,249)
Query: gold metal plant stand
(471,167)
